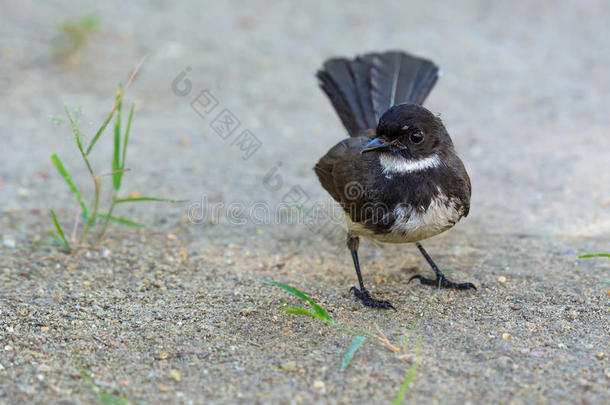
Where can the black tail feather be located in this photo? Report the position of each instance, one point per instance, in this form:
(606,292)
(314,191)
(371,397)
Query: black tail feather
(364,88)
(337,81)
(361,68)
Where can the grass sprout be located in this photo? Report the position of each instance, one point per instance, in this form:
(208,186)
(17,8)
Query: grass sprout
(104,396)
(347,358)
(406,383)
(360,337)
(60,233)
(594,255)
(89,213)
(74,34)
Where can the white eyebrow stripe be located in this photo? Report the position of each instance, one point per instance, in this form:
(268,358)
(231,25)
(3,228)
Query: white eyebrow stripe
(398,164)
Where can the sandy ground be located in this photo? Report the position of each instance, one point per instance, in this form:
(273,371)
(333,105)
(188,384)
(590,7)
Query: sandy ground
(177,313)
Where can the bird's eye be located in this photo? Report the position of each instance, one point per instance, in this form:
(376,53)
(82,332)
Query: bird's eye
(416,137)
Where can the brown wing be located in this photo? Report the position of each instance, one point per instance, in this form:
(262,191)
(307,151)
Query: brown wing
(349,176)
(324,167)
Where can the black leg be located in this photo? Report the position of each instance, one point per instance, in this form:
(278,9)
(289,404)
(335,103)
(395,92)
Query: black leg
(362,294)
(441,281)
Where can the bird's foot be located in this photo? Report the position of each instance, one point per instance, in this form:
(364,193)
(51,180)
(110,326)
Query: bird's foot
(442,282)
(364,296)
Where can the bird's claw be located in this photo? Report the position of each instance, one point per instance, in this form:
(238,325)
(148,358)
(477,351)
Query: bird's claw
(442,282)
(364,296)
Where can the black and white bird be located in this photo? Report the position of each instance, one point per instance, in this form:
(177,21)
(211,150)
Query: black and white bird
(397,177)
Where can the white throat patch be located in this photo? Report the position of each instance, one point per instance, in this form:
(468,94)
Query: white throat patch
(392,163)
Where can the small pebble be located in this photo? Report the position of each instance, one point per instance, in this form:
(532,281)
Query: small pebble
(517,307)
(505,336)
(43,368)
(163,388)
(27,389)
(289,366)
(9,243)
(600,355)
(502,279)
(175,375)
(45,329)
(164,356)
(171,236)
(318,384)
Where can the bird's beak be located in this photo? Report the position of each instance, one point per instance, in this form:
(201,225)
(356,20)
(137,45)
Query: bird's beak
(375,144)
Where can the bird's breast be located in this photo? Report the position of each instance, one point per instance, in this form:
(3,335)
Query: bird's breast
(406,224)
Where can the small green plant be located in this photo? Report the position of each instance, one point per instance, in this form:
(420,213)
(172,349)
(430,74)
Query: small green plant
(360,337)
(73,35)
(94,221)
(104,397)
(406,383)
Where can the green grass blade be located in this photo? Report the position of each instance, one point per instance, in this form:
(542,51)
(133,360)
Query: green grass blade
(68,179)
(317,308)
(404,387)
(60,231)
(74,123)
(594,255)
(135,199)
(106,398)
(126,139)
(99,132)
(90,22)
(76,130)
(604,282)
(301,311)
(116,154)
(356,343)
(58,121)
(54,236)
(103,396)
(121,221)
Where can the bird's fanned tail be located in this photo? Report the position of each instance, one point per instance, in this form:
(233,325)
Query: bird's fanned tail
(362,89)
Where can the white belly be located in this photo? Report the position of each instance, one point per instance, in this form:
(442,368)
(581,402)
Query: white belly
(412,225)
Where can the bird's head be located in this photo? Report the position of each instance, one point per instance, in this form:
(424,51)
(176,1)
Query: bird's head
(410,131)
